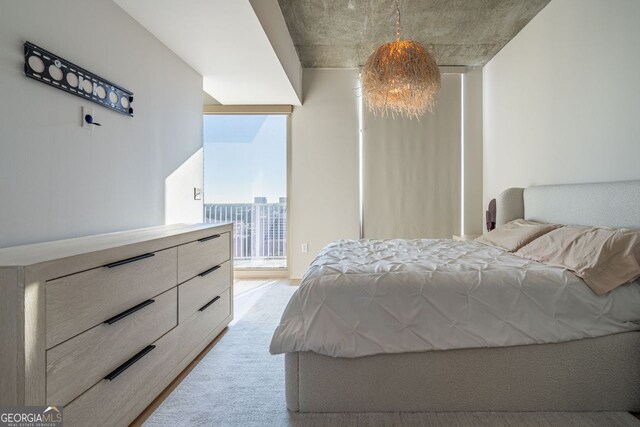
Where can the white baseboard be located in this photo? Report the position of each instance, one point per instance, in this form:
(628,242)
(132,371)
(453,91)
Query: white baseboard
(261,274)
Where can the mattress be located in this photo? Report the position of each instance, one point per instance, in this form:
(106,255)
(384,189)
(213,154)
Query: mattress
(366,297)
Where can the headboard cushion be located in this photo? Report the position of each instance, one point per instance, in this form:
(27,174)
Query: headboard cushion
(613,204)
(509,205)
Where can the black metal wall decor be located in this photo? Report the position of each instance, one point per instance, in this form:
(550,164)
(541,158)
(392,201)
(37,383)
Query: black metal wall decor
(50,69)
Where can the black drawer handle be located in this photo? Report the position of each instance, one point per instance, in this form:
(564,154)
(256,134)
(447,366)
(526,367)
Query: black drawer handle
(128,260)
(126,365)
(204,307)
(211,270)
(204,239)
(130,311)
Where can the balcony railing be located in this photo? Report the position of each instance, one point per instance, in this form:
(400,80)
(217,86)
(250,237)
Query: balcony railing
(260,232)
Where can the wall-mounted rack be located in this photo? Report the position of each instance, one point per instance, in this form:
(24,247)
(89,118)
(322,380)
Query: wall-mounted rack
(48,68)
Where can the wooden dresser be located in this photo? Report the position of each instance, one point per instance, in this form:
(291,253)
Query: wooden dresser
(102,324)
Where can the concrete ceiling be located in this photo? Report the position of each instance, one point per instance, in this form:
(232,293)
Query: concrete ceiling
(343,33)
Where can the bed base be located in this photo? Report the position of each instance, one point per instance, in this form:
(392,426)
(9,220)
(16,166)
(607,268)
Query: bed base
(595,374)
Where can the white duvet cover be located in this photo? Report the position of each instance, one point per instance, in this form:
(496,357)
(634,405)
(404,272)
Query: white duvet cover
(367,297)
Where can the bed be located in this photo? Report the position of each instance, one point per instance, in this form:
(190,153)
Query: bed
(528,337)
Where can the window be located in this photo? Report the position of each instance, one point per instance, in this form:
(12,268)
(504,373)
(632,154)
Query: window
(245,181)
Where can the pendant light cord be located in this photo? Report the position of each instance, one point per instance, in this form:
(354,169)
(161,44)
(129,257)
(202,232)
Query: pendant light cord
(397,20)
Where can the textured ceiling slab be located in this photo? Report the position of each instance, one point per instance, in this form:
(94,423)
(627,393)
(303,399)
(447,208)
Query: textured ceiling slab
(343,33)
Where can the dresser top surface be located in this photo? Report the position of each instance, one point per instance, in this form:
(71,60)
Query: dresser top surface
(49,251)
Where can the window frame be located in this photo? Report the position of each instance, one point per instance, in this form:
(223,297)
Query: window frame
(261,110)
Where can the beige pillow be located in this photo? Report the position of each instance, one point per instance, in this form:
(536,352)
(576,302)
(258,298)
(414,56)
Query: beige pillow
(515,234)
(604,258)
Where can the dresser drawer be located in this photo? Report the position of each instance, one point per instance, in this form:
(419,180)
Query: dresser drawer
(197,292)
(201,255)
(202,323)
(108,401)
(78,363)
(80,301)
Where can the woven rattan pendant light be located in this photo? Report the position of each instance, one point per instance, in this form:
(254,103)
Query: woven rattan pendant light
(400,77)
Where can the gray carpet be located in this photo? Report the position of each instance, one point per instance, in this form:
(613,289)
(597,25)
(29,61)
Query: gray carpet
(239,384)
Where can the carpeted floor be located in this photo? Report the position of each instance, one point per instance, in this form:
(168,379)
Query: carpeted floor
(238,383)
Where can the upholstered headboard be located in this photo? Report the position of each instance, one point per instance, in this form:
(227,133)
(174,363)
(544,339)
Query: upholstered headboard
(613,204)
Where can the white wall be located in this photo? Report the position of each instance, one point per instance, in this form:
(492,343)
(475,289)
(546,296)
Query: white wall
(180,205)
(56,179)
(562,99)
(224,40)
(323,186)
